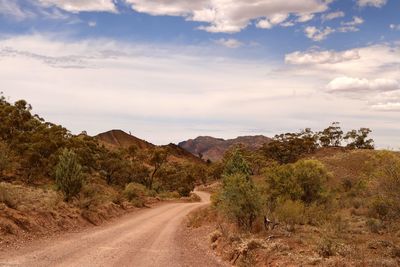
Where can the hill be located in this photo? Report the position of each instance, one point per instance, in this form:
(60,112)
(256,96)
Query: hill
(120,139)
(214,148)
(177,154)
(116,139)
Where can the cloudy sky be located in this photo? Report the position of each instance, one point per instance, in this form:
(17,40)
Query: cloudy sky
(168,70)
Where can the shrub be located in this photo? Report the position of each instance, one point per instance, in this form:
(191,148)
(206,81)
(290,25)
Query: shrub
(386,185)
(91,196)
(374,225)
(5,159)
(236,164)
(240,200)
(69,177)
(315,214)
(134,191)
(7,197)
(290,212)
(380,208)
(303,180)
(327,247)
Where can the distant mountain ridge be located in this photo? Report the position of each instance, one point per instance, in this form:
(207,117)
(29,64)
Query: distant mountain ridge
(121,139)
(116,139)
(214,148)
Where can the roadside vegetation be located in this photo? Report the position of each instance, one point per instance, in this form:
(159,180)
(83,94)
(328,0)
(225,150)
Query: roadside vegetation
(323,199)
(51,179)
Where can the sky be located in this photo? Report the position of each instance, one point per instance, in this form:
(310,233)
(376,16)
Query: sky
(170,70)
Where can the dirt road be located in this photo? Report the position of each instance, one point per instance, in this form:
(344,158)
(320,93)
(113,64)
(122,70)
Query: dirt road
(146,238)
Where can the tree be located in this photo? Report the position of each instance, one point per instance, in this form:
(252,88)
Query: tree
(158,158)
(69,177)
(176,177)
(116,169)
(5,159)
(331,136)
(303,180)
(289,147)
(359,139)
(236,164)
(240,200)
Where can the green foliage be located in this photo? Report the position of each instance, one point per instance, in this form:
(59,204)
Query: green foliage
(157,159)
(136,194)
(5,159)
(115,169)
(69,177)
(236,164)
(359,139)
(386,185)
(134,190)
(331,136)
(290,212)
(303,180)
(177,177)
(240,200)
(289,147)
(32,139)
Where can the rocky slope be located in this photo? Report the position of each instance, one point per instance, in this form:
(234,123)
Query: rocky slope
(214,148)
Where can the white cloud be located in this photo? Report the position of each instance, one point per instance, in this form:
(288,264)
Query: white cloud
(166,94)
(354,85)
(231,16)
(11,9)
(305,17)
(76,6)
(395,27)
(92,23)
(333,15)
(264,24)
(316,34)
(230,43)
(356,21)
(321,57)
(351,26)
(268,23)
(374,3)
(374,61)
(389,106)
(287,24)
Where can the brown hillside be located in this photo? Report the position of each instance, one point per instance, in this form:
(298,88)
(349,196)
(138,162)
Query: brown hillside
(177,153)
(115,139)
(120,139)
(214,148)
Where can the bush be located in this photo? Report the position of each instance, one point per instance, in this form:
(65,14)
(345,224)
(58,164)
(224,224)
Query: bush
(374,225)
(5,159)
(240,200)
(236,164)
(69,177)
(134,191)
(386,185)
(327,247)
(380,208)
(315,214)
(91,196)
(303,180)
(290,212)
(7,197)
